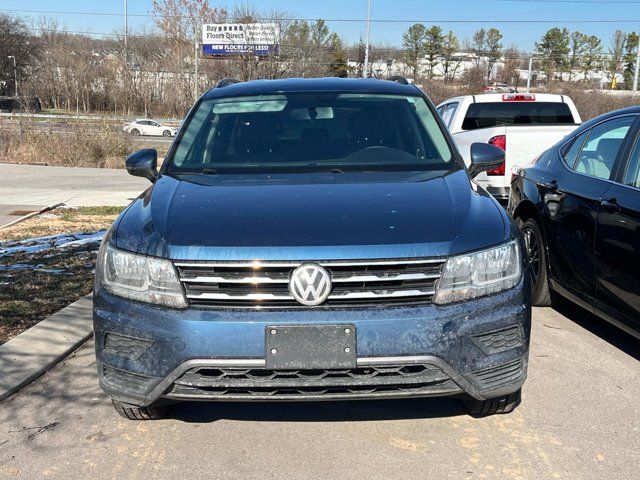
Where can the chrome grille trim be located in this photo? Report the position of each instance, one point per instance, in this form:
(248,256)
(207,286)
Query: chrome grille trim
(333,296)
(263,284)
(335,279)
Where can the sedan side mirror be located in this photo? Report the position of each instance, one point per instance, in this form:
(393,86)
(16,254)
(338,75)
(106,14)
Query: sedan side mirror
(143,164)
(485,157)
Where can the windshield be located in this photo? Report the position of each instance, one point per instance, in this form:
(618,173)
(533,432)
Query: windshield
(311,131)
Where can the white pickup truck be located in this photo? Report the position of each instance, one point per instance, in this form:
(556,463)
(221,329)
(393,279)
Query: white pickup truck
(523,124)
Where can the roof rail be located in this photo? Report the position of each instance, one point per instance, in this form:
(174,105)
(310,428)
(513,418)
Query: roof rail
(399,79)
(227,81)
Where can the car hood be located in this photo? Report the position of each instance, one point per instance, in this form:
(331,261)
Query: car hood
(312,216)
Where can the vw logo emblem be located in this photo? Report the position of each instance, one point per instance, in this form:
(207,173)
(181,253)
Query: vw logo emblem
(310,284)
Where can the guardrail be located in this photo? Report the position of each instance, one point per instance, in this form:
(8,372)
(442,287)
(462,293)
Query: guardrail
(93,118)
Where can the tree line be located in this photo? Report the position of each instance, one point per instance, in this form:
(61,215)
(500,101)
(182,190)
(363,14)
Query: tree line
(561,54)
(562,51)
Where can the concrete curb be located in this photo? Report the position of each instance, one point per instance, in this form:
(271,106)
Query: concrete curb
(35,351)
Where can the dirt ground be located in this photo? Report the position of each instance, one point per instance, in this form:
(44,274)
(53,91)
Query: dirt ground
(44,267)
(62,220)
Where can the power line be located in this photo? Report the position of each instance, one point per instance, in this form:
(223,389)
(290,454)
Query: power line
(582,2)
(344,20)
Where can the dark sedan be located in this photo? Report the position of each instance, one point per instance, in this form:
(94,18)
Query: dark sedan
(578,206)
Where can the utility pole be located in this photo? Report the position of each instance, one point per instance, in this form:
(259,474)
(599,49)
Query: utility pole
(365,70)
(15,75)
(125,62)
(195,83)
(195,59)
(635,75)
(529,74)
(126,32)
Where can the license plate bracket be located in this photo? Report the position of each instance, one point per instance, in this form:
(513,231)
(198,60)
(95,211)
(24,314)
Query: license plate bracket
(310,347)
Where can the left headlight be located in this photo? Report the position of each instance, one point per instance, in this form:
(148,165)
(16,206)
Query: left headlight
(480,273)
(142,278)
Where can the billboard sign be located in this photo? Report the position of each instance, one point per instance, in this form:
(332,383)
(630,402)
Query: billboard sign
(221,39)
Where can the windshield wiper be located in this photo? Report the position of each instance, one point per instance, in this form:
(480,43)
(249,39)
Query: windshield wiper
(209,171)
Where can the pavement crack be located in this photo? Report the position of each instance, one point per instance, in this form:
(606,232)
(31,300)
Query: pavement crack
(36,430)
(552,326)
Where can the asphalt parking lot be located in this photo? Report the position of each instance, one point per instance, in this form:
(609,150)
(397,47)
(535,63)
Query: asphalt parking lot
(580,418)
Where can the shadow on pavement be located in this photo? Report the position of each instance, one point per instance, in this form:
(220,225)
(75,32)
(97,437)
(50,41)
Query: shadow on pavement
(354,410)
(596,325)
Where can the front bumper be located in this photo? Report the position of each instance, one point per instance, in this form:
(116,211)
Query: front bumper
(147,353)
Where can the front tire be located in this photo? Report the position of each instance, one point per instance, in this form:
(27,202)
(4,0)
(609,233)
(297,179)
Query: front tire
(135,132)
(537,257)
(493,406)
(133,412)
(166,133)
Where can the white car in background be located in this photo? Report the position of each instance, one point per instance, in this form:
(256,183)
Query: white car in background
(149,127)
(522,124)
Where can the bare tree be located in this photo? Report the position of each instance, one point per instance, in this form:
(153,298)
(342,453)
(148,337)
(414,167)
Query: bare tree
(616,54)
(15,42)
(510,71)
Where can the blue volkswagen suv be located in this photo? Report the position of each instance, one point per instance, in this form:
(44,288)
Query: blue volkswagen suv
(312,239)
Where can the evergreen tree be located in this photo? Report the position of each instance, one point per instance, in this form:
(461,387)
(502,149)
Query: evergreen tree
(494,49)
(629,61)
(450,46)
(577,47)
(413,42)
(433,43)
(553,48)
(592,55)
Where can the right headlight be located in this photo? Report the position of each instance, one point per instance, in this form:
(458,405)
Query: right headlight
(480,273)
(139,277)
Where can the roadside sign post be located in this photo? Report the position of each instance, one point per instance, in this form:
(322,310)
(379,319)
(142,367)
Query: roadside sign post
(196,56)
(365,70)
(635,75)
(15,75)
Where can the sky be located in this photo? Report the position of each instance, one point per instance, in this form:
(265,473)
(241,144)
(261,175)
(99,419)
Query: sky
(461,16)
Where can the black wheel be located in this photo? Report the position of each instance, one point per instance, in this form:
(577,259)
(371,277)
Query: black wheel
(537,257)
(504,404)
(135,132)
(166,133)
(133,412)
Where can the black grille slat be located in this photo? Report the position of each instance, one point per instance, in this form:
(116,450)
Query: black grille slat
(124,346)
(505,373)
(387,375)
(499,340)
(211,382)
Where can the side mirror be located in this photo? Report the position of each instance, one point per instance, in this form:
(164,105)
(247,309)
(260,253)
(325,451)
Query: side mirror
(485,157)
(143,164)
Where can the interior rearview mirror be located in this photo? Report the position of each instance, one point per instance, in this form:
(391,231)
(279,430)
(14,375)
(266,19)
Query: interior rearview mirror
(485,157)
(143,163)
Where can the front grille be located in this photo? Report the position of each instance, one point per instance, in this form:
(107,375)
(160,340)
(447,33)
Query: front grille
(257,383)
(266,284)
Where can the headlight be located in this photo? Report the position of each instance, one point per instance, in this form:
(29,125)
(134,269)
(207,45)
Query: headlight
(147,279)
(480,273)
